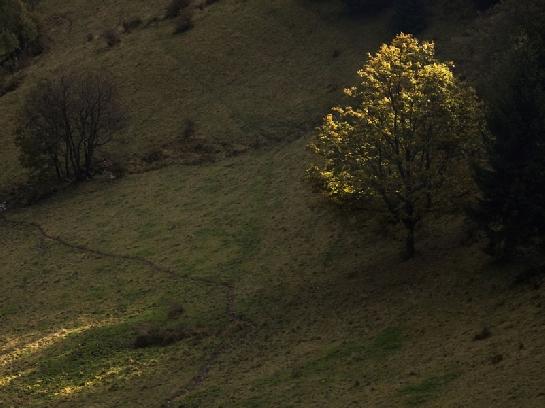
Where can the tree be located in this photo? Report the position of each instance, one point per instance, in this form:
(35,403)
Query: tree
(484,4)
(511,210)
(410,16)
(18,30)
(64,121)
(367,6)
(405,142)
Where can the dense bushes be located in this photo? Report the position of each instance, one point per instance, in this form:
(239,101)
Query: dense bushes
(18,31)
(511,210)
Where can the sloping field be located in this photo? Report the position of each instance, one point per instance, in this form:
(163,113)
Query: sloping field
(231,284)
(284,304)
(248,73)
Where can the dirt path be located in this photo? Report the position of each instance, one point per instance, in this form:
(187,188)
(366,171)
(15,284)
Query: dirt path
(228,288)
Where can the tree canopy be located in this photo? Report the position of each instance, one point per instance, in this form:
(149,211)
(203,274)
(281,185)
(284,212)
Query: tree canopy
(406,140)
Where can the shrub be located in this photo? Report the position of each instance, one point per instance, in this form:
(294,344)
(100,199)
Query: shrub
(184,22)
(112,37)
(160,336)
(175,8)
(188,130)
(153,156)
(131,24)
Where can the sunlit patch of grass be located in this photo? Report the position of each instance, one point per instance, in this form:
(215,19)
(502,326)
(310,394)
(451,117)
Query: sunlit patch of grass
(7,379)
(89,383)
(89,357)
(39,345)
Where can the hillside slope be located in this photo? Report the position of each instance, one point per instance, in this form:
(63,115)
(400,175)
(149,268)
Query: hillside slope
(231,284)
(248,73)
(320,313)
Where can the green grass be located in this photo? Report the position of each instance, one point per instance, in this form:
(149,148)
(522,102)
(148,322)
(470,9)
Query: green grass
(427,390)
(333,317)
(322,334)
(219,74)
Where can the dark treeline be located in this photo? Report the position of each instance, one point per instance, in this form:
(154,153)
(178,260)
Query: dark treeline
(512,208)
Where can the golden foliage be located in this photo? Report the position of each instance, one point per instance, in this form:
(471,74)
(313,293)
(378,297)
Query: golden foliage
(408,136)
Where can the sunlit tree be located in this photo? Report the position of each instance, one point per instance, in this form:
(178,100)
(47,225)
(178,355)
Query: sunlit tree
(406,141)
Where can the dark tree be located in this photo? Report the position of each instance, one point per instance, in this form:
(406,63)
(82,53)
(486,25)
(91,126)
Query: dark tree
(367,6)
(511,210)
(63,123)
(410,16)
(484,4)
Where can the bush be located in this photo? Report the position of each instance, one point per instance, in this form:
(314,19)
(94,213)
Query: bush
(188,130)
(112,37)
(175,7)
(131,24)
(160,336)
(184,22)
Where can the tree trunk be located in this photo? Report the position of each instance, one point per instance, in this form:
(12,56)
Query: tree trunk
(409,242)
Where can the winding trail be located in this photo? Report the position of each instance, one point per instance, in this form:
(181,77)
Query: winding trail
(227,287)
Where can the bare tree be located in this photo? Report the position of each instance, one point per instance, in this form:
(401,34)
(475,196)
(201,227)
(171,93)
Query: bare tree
(64,121)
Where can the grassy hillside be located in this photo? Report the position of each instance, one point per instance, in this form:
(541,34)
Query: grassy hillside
(249,72)
(253,291)
(284,303)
